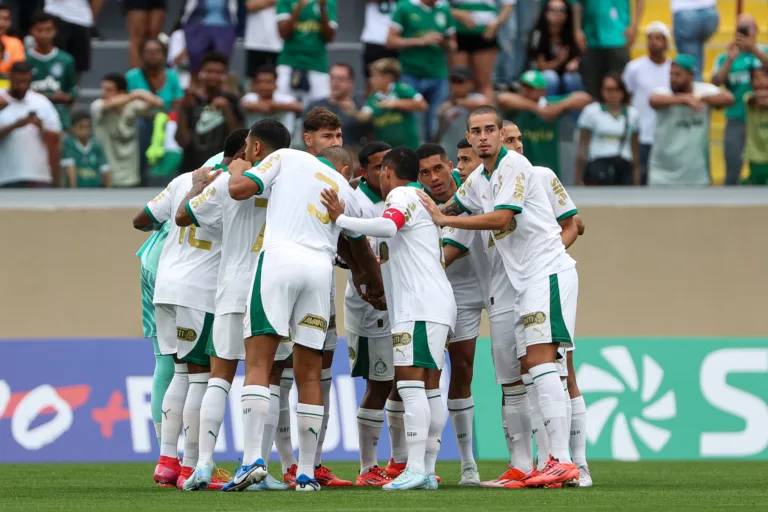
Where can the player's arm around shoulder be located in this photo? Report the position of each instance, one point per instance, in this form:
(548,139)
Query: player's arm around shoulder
(158,210)
(247,181)
(201,178)
(203,208)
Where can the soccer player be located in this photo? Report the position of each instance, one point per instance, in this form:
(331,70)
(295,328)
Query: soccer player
(513,137)
(468,278)
(420,304)
(295,269)
(468,160)
(507,195)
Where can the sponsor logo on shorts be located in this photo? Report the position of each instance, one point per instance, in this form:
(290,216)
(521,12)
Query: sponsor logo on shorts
(332,322)
(185,334)
(351,353)
(314,322)
(380,368)
(533,319)
(401,339)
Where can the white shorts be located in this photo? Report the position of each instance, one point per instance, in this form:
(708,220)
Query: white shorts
(467,325)
(561,362)
(331,340)
(295,287)
(420,344)
(319,84)
(371,358)
(228,341)
(545,311)
(504,348)
(284,350)
(183,332)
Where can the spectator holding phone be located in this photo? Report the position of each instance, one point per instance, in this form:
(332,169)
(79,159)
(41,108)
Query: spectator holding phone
(732,69)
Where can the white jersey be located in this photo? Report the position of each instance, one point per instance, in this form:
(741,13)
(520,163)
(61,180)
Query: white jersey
(242,232)
(536,248)
(462,273)
(415,283)
(186,271)
(359,316)
(293,180)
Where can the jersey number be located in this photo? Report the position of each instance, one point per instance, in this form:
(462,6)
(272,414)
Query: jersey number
(192,241)
(325,218)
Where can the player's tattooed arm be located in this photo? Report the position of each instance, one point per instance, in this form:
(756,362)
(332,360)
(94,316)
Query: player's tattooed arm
(201,178)
(451,208)
(241,187)
(495,220)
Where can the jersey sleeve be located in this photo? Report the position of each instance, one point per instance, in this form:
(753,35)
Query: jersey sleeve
(719,61)
(468,196)
(399,18)
(586,119)
(629,74)
(406,92)
(403,202)
(159,209)
(459,238)
(514,182)
(333,19)
(67,153)
(352,209)
(49,116)
(205,208)
(265,173)
(561,201)
(633,118)
(284,8)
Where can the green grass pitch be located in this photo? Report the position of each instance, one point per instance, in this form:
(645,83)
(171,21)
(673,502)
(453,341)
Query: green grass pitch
(658,486)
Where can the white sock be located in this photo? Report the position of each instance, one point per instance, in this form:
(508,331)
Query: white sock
(309,421)
(283,441)
(212,416)
(198,383)
(158,431)
(399,450)
(579,431)
(326,380)
(417,420)
(270,427)
(369,424)
(506,432)
(173,409)
(516,412)
(462,411)
(255,402)
(568,408)
(552,406)
(436,426)
(543,448)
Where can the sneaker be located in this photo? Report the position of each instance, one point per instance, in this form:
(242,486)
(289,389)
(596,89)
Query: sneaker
(394,469)
(269,484)
(510,475)
(219,479)
(167,471)
(246,475)
(521,483)
(585,477)
(326,478)
(432,483)
(470,476)
(555,472)
(290,476)
(200,477)
(407,481)
(374,477)
(304,483)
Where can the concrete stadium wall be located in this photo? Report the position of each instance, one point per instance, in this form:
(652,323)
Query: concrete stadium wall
(652,263)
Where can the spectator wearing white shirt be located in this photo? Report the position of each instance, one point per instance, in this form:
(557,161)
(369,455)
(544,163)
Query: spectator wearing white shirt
(30,131)
(378,18)
(643,76)
(262,41)
(74,19)
(265,101)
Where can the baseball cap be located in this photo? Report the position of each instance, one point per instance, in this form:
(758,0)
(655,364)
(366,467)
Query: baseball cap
(460,73)
(687,62)
(657,27)
(534,79)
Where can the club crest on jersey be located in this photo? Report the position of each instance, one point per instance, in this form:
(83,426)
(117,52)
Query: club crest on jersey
(501,233)
(384,252)
(314,322)
(185,334)
(401,339)
(57,70)
(440,19)
(351,353)
(380,368)
(534,319)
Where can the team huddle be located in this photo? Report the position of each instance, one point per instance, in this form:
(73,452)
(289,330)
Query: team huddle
(240,267)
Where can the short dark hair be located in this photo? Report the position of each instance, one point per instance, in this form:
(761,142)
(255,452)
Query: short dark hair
(217,57)
(346,66)
(338,156)
(405,162)
(759,69)
(371,148)
(80,115)
(272,133)
(616,77)
(119,80)
(429,149)
(40,17)
(21,67)
(235,142)
(266,68)
(463,144)
(4,7)
(144,44)
(320,118)
(483,110)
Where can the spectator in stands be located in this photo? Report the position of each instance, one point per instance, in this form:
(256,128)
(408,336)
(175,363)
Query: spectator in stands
(422,32)
(732,69)
(453,114)
(680,153)
(178,57)
(552,49)
(306,29)
(756,150)
(539,116)
(609,138)
(392,106)
(208,116)
(341,100)
(74,19)
(477,28)
(643,76)
(29,134)
(208,26)
(115,117)
(264,101)
(604,31)
(82,157)
(53,70)
(262,40)
(378,18)
(694,22)
(145,20)
(13,48)
(154,76)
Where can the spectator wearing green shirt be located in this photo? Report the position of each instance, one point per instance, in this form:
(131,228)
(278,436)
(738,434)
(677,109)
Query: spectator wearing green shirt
(306,27)
(604,32)
(53,70)
(392,106)
(423,32)
(82,156)
(538,117)
(732,69)
(154,76)
(756,150)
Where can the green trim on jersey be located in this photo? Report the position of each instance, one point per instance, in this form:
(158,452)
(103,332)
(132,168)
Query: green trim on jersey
(502,154)
(255,179)
(151,217)
(415,184)
(557,325)
(191,215)
(448,241)
(567,214)
(370,194)
(508,207)
(422,357)
(198,354)
(361,366)
(326,162)
(259,322)
(456,199)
